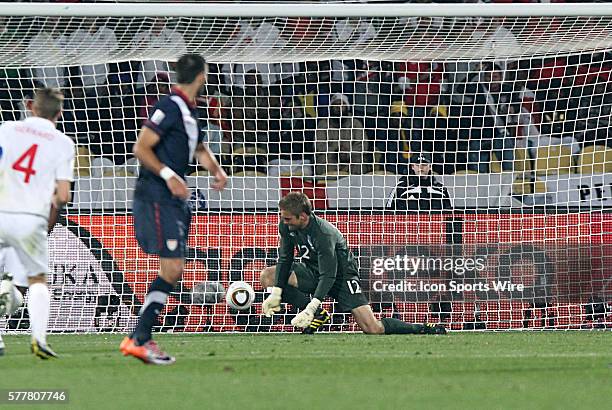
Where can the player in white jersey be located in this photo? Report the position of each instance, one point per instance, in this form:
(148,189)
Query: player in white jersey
(36,169)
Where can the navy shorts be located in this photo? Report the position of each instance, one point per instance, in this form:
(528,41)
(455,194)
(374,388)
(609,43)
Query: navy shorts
(162,229)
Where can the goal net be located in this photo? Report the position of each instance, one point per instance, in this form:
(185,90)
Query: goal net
(465,152)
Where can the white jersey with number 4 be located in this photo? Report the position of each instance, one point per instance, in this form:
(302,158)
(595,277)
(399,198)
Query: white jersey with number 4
(33,156)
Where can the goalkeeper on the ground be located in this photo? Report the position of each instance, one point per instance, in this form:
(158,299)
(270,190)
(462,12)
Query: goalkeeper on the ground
(327,268)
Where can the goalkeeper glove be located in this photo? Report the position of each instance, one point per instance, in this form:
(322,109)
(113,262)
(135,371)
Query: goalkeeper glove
(305,317)
(272,303)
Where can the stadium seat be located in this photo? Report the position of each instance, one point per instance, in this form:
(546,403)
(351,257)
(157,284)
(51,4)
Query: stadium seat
(522,187)
(465,172)
(82,162)
(522,160)
(554,159)
(200,173)
(101,167)
(380,172)
(595,159)
(540,187)
(249,174)
(495,166)
(249,150)
(117,172)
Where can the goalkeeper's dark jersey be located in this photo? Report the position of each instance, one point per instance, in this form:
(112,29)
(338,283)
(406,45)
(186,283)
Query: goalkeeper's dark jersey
(322,248)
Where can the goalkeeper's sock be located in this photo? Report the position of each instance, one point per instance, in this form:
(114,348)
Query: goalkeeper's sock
(152,307)
(38,307)
(397,327)
(295,297)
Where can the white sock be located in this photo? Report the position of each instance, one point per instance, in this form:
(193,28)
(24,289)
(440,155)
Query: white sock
(38,307)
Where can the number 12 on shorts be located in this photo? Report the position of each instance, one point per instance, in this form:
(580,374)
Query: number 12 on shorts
(21,166)
(353,286)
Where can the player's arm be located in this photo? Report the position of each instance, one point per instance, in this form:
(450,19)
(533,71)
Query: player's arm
(208,161)
(62,193)
(328,265)
(446,202)
(283,269)
(328,269)
(396,200)
(143,151)
(285,260)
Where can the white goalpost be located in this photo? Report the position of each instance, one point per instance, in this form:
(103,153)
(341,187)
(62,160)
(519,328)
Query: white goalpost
(505,108)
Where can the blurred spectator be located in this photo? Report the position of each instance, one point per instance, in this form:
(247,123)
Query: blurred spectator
(158,87)
(419,190)
(260,38)
(118,134)
(421,83)
(46,51)
(296,137)
(159,41)
(340,140)
(316,89)
(373,87)
(490,117)
(82,113)
(95,42)
(594,111)
(254,112)
(393,139)
(353,32)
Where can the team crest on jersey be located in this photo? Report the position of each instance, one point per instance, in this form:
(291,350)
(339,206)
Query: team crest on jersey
(171,244)
(158,116)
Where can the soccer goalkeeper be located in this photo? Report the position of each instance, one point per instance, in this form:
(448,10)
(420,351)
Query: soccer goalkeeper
(327,268)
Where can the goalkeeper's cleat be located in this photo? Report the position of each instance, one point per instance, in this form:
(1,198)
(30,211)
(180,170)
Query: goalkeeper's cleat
(434,329)
(149,352)
(42,351)
(321,317)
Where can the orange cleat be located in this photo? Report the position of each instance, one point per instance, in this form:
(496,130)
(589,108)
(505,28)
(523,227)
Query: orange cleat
(149,352)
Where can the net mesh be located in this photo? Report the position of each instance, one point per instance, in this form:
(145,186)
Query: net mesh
(509,228)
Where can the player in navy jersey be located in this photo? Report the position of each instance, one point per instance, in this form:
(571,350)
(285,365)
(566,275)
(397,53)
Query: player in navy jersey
(167,143)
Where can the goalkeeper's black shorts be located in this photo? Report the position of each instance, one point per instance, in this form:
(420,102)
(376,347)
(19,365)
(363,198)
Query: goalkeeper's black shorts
(346,290)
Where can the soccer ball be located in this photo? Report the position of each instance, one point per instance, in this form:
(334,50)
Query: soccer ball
(240,295)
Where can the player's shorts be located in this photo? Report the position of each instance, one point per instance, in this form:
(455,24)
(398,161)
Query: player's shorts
(346,290)
(162,229)
(9,262)
(27,235)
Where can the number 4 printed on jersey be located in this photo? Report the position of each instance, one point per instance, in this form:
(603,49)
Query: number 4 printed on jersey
(21,166)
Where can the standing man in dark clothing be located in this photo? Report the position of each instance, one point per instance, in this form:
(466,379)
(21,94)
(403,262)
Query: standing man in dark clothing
(419,190)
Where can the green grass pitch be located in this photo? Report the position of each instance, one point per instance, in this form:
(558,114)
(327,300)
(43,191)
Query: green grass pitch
(545,370)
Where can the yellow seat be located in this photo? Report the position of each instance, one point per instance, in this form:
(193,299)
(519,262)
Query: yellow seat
(554,159)
(522,187)
(496,165)
(595,159)
(522,161)
(82,161)
(336,174)
(200,173)
(540,187)
(249,150)
(249,174)
(465,172)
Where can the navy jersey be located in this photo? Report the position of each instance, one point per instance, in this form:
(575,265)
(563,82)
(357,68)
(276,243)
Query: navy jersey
(174,119)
